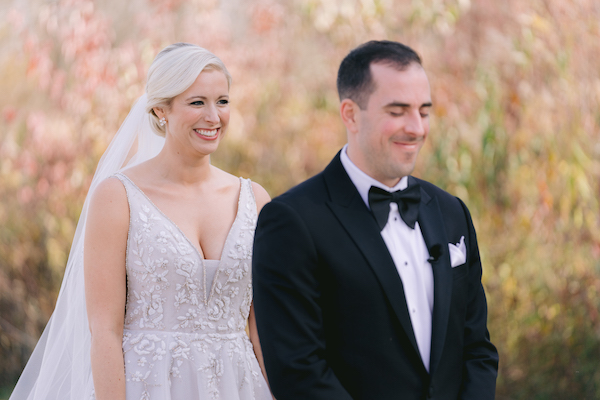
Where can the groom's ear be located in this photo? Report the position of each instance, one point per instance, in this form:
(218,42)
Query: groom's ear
(349,113)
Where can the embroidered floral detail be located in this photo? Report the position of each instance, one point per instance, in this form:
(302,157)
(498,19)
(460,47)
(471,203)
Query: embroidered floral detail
(176,322)
(213,369)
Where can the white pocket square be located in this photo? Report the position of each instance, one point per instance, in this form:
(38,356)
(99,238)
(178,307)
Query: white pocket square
(458,253)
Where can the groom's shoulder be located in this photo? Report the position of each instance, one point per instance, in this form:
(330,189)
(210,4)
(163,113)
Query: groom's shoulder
(305,201)
(311,190)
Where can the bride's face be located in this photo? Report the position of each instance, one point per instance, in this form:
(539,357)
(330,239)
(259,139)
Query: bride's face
(200,115)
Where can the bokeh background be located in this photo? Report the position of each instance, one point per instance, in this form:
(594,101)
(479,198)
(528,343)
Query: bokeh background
(515,133)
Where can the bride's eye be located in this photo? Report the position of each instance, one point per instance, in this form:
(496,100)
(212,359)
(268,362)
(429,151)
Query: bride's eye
(197,103)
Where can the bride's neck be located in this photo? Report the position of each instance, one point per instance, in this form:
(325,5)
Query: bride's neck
(184,169)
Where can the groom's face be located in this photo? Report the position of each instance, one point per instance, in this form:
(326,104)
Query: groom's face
(392,127)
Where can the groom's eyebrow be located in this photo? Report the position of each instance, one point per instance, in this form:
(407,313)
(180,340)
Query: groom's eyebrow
(406,105)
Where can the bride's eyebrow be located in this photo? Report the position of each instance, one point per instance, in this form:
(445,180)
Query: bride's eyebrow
(204,97)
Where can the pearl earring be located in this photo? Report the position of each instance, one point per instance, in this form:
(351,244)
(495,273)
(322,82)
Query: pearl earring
(162,121)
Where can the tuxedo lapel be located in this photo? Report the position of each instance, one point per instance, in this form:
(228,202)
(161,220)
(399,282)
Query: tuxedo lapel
(351,211)
(432,226)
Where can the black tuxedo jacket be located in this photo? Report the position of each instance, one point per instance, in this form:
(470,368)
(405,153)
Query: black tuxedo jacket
(330,307)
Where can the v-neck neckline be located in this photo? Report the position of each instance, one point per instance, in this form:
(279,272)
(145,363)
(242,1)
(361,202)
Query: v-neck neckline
(200,256)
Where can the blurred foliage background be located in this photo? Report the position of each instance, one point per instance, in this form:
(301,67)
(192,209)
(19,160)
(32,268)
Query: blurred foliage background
(515,133)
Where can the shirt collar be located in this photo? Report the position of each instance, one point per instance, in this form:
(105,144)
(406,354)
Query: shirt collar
(363,182)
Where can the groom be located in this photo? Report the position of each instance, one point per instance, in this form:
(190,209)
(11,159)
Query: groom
(367,281)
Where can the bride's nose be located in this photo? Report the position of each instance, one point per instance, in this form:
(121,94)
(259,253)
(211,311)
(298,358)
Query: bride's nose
(211,114)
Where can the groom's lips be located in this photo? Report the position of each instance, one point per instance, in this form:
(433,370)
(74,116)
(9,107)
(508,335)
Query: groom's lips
(412,145)
(408,145)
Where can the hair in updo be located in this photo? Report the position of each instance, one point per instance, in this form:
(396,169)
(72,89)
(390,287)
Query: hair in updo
(173,71)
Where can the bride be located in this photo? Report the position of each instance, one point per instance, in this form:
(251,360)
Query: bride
(157,291)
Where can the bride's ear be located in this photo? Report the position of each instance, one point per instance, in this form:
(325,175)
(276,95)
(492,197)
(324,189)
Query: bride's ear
(159,112)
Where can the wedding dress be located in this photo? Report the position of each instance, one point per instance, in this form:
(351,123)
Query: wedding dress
(184,335)
(184,328)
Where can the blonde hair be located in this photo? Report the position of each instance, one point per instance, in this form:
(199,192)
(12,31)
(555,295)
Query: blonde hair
(173,71)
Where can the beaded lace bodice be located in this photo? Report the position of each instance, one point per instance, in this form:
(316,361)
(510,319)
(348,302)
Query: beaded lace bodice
(175,317)
(167,289)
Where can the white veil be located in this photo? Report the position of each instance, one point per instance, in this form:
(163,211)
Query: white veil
(60,366)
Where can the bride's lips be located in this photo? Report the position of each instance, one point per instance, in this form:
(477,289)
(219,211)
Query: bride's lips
(208,134)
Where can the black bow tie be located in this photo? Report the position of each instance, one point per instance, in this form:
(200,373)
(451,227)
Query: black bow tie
(408,204)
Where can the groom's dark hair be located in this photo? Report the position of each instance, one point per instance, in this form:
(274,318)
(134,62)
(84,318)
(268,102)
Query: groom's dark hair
(354,80)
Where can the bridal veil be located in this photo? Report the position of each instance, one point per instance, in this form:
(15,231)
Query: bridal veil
(60,366)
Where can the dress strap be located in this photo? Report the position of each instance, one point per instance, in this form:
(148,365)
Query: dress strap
(123,178)
(127,183)
(247,199)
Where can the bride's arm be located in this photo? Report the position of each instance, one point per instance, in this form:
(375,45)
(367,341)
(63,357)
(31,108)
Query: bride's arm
(105,286)
(253,333)
(256,343)
(262,198)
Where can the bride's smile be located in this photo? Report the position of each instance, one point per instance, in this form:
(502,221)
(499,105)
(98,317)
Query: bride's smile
(208,133)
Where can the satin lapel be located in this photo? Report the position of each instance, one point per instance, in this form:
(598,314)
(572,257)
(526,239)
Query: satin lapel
(360,224)
(432,227)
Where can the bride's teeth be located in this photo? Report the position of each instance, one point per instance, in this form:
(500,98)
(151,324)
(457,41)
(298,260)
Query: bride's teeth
(205,132)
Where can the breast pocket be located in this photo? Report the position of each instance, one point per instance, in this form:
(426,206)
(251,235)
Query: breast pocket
(460,271)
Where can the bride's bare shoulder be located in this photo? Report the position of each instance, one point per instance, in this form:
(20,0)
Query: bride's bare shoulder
(109,195)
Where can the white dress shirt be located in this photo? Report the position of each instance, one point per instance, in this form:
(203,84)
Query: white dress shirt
(409,252)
